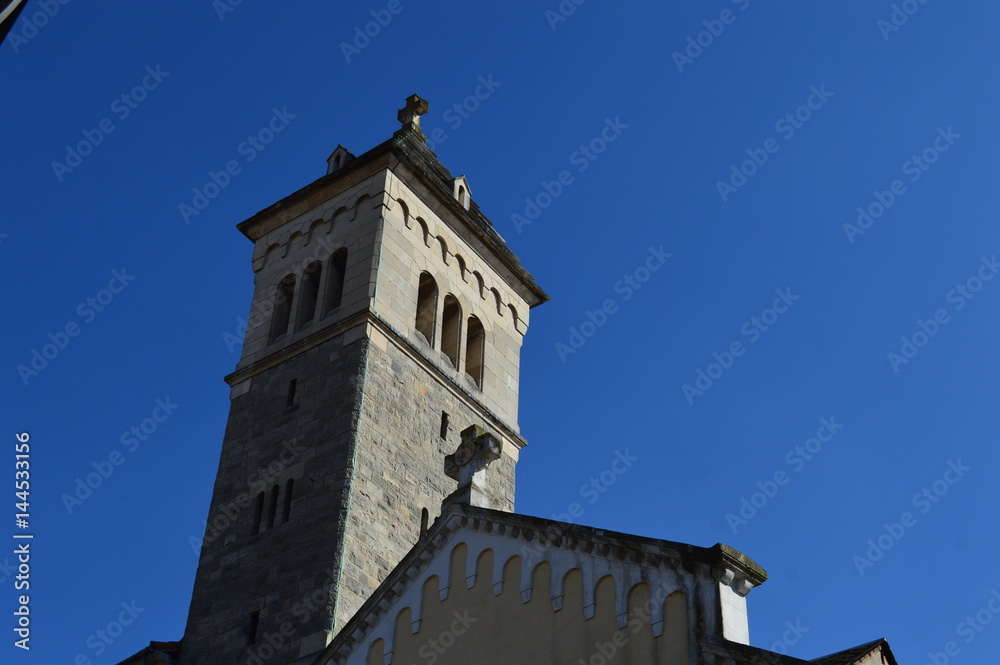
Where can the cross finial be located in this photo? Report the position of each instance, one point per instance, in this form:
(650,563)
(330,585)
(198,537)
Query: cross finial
(410,114)
(468,465)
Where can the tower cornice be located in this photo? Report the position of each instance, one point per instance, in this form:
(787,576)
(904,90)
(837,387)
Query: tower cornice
(423,165)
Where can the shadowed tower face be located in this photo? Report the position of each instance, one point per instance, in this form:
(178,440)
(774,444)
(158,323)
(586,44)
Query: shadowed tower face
(387,317)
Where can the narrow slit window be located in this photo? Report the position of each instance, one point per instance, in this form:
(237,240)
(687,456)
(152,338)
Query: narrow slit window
(335,281)
(451,328)
(444,425)
(273,507)
(290,398)
(252,628)
(286,510)
(426,307)
(425,518)
(258,513)
(308,294)
(475,347)
(282,308)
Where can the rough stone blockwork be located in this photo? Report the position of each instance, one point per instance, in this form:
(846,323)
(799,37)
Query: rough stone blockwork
(266,444)
(400,469)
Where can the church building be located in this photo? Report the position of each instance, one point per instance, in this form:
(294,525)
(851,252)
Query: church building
(366,479)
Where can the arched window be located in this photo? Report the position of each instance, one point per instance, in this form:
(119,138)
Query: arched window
(427,293)
(335,280)
(282,307)
(308,294)
(451,328)
(461,191)
(475,346)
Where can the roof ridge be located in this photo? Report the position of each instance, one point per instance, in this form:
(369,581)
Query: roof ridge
(854,654)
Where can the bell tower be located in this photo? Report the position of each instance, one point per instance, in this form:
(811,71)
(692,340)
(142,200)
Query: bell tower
(387,317)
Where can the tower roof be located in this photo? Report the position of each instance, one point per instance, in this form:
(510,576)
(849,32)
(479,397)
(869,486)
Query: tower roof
(859,654)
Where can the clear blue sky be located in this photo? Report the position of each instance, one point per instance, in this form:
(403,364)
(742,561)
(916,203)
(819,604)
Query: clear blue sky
(879,97)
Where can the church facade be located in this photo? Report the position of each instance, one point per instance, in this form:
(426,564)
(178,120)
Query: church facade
(379,382)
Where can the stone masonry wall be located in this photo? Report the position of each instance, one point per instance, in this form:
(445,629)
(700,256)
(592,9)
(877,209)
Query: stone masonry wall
(283,572)
(405,251)
(362,441)
(400,467)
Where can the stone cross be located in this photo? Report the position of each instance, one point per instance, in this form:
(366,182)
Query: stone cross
(468,466)
(410,114)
